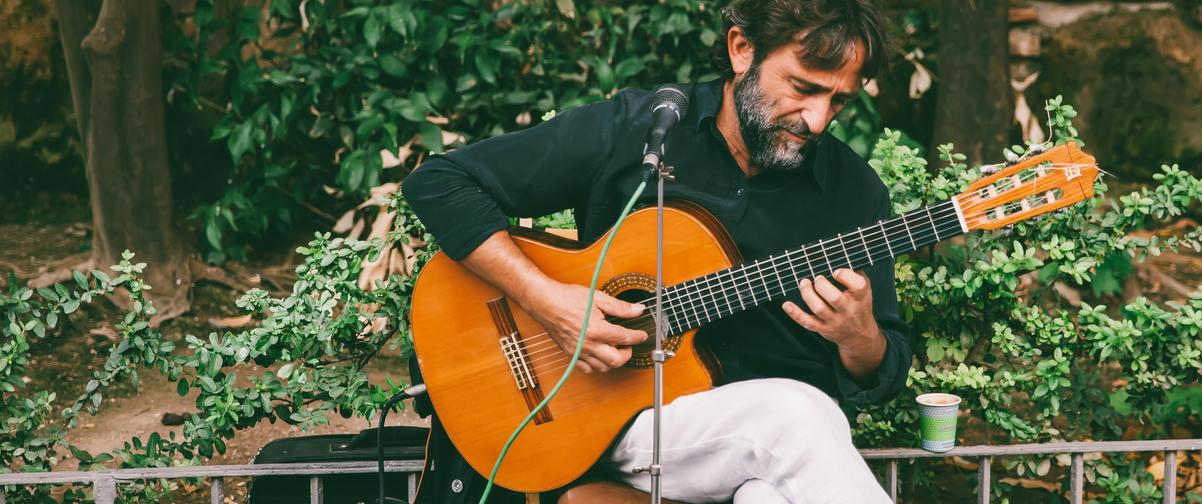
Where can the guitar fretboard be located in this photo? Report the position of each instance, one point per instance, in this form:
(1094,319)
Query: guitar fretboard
(693,303)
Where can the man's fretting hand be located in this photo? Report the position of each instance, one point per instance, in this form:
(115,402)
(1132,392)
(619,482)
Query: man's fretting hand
(844,317)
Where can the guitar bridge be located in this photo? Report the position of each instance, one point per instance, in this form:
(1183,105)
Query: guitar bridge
(513,347)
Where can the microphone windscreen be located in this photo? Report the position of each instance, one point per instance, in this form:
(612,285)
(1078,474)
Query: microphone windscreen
(673,95)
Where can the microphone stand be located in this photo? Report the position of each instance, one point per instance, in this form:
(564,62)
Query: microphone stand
(659,355)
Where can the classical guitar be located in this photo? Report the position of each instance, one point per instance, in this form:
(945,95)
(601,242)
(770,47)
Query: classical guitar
(487,363)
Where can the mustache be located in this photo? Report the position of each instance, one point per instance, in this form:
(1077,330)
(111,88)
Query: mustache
(799,129)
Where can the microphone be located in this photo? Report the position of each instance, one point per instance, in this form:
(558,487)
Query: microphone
(670,104)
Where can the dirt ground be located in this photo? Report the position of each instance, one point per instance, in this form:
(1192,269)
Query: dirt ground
(56,227)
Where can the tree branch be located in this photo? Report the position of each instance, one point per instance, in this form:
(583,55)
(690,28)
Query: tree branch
(106,37)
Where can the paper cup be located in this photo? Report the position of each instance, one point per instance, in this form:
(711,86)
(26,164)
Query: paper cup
(937,416)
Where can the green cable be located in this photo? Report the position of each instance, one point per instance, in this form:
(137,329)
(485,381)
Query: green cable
(592,288)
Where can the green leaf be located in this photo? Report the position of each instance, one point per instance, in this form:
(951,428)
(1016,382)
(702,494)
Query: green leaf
(102,276)
(182,387)
(485,69)
(605,76)
(80,279)
(628,67)
(372,30)
(393,65)
(431,136)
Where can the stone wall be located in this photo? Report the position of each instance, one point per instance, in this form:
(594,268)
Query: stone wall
(1134,72)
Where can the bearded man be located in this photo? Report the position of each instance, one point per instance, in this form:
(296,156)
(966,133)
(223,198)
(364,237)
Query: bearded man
(754,151)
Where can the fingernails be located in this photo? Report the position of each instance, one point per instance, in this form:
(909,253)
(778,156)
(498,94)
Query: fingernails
(638,306)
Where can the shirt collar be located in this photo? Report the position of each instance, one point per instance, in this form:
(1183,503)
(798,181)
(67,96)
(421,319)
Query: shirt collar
(708,99)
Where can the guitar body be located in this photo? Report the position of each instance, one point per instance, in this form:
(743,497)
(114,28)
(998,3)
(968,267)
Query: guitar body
(483,381)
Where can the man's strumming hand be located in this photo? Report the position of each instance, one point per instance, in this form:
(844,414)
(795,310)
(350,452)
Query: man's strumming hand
(559,308)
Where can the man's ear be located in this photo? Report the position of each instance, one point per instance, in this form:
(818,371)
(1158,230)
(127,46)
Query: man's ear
(740,50)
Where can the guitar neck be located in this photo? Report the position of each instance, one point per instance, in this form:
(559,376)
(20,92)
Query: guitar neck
(693,303)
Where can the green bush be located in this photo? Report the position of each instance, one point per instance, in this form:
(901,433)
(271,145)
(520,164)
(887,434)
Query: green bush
(316,90)
(989,325)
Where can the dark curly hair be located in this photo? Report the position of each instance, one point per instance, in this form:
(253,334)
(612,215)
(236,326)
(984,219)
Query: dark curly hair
(825,30)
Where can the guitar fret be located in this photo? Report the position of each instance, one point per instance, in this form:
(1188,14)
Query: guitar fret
(735,285)
(906,225)
(934,228)
(828,259)
(747,281)
(708,317)
(792,267)
(670,311)
(779,276)
(867,250)
(885,235)
(684,289)
(764,279)
(845,254)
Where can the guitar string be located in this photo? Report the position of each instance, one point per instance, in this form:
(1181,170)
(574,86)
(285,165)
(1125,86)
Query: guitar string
(533,348)
(543,339)
(868,252)
(536,347)
(948,227)
(770,293)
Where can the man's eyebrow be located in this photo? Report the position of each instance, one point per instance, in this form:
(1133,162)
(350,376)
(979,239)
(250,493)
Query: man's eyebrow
(798,81)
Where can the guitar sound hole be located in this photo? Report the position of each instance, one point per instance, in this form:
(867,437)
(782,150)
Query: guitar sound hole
(644,323)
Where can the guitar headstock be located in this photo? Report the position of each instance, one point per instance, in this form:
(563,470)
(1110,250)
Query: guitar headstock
(1054,179)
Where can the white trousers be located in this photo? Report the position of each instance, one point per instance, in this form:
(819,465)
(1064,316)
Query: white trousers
(760,441)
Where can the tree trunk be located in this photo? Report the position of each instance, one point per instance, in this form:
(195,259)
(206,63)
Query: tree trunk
(975,102)
(114,60)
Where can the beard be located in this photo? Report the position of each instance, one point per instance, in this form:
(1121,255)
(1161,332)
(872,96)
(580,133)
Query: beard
(767,148)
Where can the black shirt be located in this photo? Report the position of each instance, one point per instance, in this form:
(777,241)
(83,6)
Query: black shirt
(588,159)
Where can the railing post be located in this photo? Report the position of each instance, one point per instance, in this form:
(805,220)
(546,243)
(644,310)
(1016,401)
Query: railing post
(891,476)
(315,491)
(2,495)
(1170,477)
(104,489)
(983,476)
(217,490)
(412,487)
(1078,478)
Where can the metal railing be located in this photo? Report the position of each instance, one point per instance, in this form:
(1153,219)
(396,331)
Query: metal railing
(104,483)
(1170,447)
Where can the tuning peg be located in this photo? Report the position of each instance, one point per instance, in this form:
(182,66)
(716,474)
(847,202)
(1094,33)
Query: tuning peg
(1008,229)
(1011,158)
(1036,149)
(990,169)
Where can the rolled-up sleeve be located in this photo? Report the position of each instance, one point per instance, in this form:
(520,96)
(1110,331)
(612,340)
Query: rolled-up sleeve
(464,196)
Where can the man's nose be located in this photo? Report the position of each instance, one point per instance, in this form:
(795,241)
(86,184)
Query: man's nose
(817,116)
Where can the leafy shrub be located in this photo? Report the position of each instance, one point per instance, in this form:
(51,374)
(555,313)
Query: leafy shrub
(989,325)
(316,90)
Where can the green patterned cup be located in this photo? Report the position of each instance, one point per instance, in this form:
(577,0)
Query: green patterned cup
(937,416)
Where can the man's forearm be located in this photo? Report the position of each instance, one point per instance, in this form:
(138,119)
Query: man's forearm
(503,265)
(862,356)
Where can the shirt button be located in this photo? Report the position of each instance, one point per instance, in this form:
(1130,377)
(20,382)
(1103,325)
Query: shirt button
(740,191)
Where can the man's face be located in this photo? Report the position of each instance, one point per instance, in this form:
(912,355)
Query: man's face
(783,106)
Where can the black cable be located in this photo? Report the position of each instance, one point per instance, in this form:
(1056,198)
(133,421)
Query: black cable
(413,391)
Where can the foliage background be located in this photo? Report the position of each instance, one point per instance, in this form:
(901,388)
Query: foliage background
(300,99)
